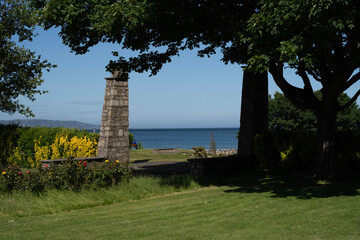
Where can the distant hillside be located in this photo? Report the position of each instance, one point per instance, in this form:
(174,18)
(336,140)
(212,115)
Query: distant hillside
(50,123)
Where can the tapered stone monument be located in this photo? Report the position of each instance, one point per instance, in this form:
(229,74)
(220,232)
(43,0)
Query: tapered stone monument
(114,131)
(254,111)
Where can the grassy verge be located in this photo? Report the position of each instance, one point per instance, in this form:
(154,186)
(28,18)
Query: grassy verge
(147,155)
(20,204)
(255,206)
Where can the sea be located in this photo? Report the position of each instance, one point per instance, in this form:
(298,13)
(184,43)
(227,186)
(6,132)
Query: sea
(186,138)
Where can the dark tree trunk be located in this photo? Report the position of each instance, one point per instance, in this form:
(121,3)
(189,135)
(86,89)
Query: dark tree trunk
(326,143)
(254,111)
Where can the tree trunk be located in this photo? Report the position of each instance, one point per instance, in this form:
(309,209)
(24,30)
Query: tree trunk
(254,111)
(327,154)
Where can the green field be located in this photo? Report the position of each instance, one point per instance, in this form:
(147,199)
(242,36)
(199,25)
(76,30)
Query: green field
(255,206)
(147,155)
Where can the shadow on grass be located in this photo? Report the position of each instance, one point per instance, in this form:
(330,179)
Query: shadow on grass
(279,184)
(161,169)
(292,185)
(142,161)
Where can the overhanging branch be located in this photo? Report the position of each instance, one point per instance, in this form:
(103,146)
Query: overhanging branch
(351,81)
(314,75)
(351,101)
(297,96)
(307,84)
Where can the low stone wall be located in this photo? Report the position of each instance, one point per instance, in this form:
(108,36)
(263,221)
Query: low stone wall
(220,166)
(166,150)
(163,169)
(226,152)
(89,160)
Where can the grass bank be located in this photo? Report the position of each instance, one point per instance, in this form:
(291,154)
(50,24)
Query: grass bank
(22,204)
(254,206)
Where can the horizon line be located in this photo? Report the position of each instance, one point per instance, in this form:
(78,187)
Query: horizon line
(144,128)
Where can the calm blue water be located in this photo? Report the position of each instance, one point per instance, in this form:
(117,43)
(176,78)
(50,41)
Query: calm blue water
(225,138)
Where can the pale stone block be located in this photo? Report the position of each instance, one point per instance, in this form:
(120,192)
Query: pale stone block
(101,143)
(125,114)
(115,102)
(121,132)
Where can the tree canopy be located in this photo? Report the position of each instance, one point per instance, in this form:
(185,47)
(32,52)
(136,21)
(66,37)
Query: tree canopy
(157,29)
(283,115)
(20,69)
(319,39)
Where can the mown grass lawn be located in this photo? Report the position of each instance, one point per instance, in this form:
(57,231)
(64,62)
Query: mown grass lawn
(147,155)
(258,206)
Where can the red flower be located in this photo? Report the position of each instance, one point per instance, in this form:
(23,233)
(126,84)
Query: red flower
(20,173)
(85,164)
(46,166)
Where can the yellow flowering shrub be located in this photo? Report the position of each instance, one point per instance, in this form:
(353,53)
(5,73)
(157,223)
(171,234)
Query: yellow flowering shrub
(33,163)
(15,157)
(82,147)
(28,145)
(41,152)
(285,154)
(62,147)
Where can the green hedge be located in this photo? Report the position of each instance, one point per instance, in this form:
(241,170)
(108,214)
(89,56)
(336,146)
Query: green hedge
(9,136)
(73,175)
(297,150)
(23,139)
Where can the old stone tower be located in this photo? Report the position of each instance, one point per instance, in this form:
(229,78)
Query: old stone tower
(254,111)
(114,131)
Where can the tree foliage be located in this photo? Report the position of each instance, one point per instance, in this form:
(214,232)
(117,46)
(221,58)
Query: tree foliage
(20,69)
(319,39)
(283,115)
(158,30)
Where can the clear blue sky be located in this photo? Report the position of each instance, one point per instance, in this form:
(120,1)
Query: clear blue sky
(188,92)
